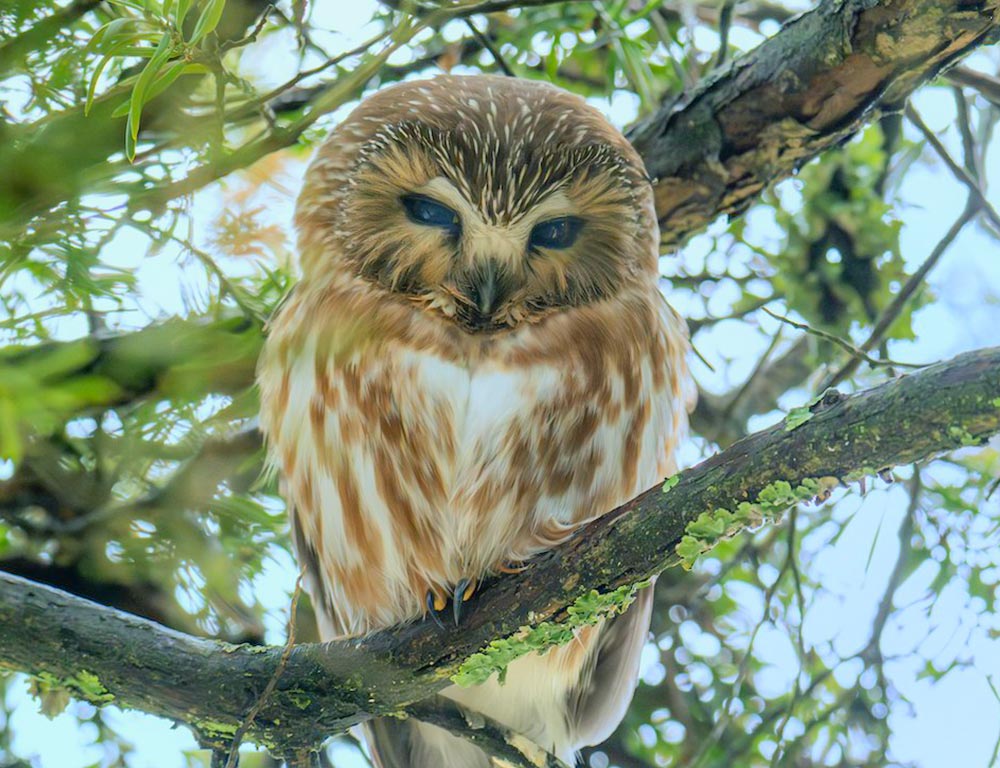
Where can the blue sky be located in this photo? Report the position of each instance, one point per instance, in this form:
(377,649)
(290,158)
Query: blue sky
(954,721)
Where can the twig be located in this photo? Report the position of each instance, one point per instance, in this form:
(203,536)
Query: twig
(842,343)
(695,325)
(485,41)
(872,651)
(745,387)
(965,129)
(234,749)
(725,22)
(959,172)
(996,744)
(254,33)
(789,370)
(725,715)
(905,293)
(988,86)
(800,643)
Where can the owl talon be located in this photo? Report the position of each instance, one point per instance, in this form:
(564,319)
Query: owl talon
(464,590)
(435,603)
(511,568)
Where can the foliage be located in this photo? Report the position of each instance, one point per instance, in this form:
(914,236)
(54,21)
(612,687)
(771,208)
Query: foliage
(150,153)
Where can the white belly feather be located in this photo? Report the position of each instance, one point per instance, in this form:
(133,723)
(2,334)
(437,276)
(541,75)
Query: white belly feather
(478,451)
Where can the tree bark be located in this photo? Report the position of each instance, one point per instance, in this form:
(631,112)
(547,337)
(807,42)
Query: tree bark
(808,88)
(103,655)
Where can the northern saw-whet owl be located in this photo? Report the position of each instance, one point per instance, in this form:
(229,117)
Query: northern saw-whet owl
(476,361)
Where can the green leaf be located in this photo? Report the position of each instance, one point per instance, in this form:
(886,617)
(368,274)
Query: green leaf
(124,47)
(11,446)
(208,20)
(139,92)
(110,31)
(162,82)
(183,6)
(797,417)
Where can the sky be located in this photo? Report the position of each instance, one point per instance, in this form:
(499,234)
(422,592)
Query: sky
(954,721)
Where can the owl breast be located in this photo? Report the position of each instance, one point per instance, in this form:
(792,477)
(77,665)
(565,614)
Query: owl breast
(413,461)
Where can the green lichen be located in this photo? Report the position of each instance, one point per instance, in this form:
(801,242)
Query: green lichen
(996,402)
(771,503)
(299,698)
(216,730)
(797,417)
(88,686)
(962,436)
(54,692)
(588,609)
(859,474)
(670,482)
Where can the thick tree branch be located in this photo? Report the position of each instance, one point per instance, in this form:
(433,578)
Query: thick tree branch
(104,655)
(797,94)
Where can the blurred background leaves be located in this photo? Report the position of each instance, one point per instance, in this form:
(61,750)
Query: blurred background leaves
(150,152)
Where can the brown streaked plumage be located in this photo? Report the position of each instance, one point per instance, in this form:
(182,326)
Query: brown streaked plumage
(476,361)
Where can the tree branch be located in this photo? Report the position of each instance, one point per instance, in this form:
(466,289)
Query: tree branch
(799,93)
(103,655)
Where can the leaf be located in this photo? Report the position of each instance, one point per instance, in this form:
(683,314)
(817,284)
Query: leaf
(162,82)
(124,47)
(11,446)
(208,20)
(797,417)
(52,698)
(183,6)
(110,30)
(138,98)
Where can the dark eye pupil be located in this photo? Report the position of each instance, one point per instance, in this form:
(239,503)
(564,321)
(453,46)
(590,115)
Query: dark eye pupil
(557,233)
(423,210)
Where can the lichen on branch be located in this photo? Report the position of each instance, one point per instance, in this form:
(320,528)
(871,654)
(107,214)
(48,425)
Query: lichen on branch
(325,688)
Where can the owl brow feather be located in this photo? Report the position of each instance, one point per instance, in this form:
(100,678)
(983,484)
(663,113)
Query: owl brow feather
(506,179)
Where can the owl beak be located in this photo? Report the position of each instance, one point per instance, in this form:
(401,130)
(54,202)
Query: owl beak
(484,288)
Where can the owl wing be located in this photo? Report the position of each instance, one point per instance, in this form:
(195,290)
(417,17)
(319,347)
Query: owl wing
(598,704)
(312,577)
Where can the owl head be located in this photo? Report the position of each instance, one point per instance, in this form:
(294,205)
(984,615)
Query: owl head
(486,201)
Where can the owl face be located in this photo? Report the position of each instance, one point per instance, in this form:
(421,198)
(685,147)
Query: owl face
(487,201)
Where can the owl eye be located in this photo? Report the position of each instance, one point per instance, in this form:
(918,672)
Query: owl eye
(430,213)
(555,233)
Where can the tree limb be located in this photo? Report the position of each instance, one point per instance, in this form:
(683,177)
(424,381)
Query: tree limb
(103,655)
(797,94)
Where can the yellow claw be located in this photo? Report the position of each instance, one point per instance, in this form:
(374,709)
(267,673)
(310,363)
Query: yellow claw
(470,590)
(512,568)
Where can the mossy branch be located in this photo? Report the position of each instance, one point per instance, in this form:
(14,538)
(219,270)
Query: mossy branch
(801,92)
(102,655)
(806,89)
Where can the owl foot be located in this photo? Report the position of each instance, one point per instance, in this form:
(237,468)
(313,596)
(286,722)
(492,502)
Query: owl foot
(465,589)
(512,568)
(435,603)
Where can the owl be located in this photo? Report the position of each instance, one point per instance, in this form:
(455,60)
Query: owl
(476,361)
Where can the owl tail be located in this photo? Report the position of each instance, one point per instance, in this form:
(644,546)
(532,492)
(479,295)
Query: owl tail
(410,744)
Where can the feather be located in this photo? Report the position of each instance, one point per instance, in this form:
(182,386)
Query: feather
(425,436)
